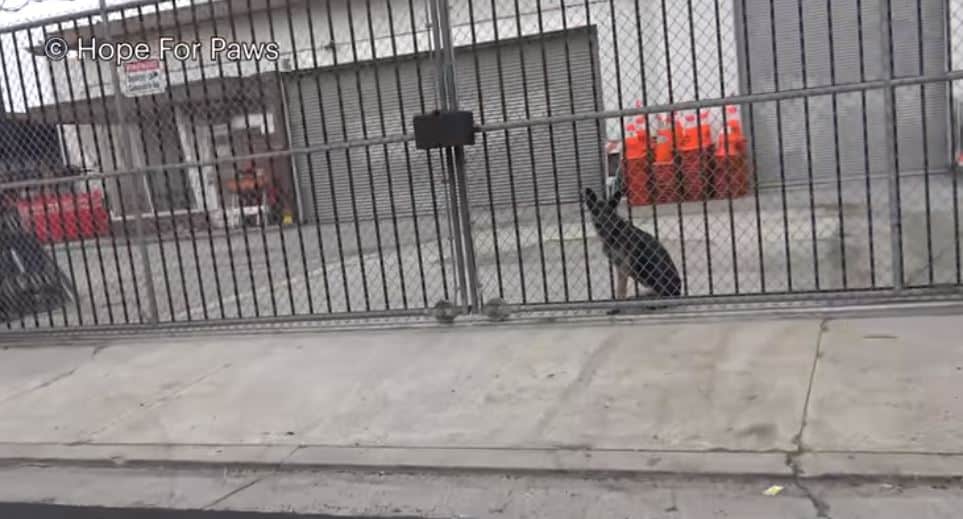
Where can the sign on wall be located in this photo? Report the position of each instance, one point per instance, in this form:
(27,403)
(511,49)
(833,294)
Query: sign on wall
(142,78)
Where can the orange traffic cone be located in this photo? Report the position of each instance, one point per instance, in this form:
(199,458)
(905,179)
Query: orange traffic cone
(692,160)
(731,176)
(635,165)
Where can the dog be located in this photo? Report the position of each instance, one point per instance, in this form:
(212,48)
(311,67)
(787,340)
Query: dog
(634,252)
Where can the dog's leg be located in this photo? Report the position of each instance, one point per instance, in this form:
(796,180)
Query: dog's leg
(623,286)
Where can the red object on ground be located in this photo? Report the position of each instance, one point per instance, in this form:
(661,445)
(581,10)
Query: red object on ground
(731,178)
(637,181)
(663,145)
(667,188)
(694,165)
(636,143)
(67,217)
(731,175)
(694,158)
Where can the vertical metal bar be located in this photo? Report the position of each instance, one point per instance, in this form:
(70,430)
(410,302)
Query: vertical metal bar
(61,143)
(722,93)
(668,71)
(328,164)
(428,157)
(508,153)
(282,236)
(892,159)
(208,105)
(836,150)
(309,159)
(43,107)
(649,151)
(485,149)
(705,201)
(755,161)
(362,116)
(597,107)
(808,140)
(575,143)
(782,158)
(73,192)
(613,26)
(9,222)
(60,209)
(405,147)
(551,144)
(461,217)
(167,183)
(149,181)
(250,144)
(202,180)
(112,146)
(384,133)
(84,166)
(926,138)
(649,158)
(233,151)
(454,157)
(531,150)
(954,139)
(865,132)
(347,157)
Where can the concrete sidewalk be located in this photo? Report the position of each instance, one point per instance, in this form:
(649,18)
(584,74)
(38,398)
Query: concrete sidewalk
(789,398)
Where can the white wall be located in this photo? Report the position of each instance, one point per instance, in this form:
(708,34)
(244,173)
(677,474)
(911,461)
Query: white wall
(619,53)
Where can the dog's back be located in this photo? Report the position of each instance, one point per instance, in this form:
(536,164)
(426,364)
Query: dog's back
(633,250)
(650,264)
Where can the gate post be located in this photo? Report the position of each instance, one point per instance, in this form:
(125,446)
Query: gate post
(455,158)
(127,159)
(889,121)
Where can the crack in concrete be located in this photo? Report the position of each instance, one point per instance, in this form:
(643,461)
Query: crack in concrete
(792,458)
(583,379)
(255,481)
(42,385)
(163,397)
(236,491)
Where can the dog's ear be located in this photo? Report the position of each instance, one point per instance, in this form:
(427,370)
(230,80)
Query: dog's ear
(616,198)
(590,197)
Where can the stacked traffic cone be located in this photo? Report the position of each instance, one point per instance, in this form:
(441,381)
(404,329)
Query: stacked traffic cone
(666,188)
(636,164)
(694,157)
(731,176)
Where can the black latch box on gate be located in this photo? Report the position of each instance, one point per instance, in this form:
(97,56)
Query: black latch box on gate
(444,129)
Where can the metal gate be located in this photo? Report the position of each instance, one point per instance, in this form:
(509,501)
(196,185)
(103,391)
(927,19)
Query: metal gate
(256,162)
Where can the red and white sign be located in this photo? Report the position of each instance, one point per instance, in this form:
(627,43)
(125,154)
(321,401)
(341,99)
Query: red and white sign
(143,78)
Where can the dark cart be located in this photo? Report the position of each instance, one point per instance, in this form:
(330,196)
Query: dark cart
(30,280)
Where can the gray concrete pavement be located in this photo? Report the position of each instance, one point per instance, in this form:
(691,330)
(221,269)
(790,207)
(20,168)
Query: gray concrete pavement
(795,401)
(541,395)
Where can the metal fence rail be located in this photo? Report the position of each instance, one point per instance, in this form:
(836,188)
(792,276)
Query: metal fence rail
(258,161)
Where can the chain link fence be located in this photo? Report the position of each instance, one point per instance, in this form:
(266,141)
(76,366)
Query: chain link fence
(199,161)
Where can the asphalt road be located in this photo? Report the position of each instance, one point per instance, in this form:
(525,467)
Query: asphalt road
(47,511)
(157,493)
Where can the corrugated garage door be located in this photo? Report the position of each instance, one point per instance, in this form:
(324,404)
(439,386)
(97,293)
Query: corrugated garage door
(846,20)
(335,115)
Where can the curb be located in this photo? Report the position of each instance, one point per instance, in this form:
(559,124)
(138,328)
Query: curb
(307,457)
(773,464)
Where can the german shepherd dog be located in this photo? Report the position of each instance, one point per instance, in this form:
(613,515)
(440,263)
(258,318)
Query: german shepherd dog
(634,252)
